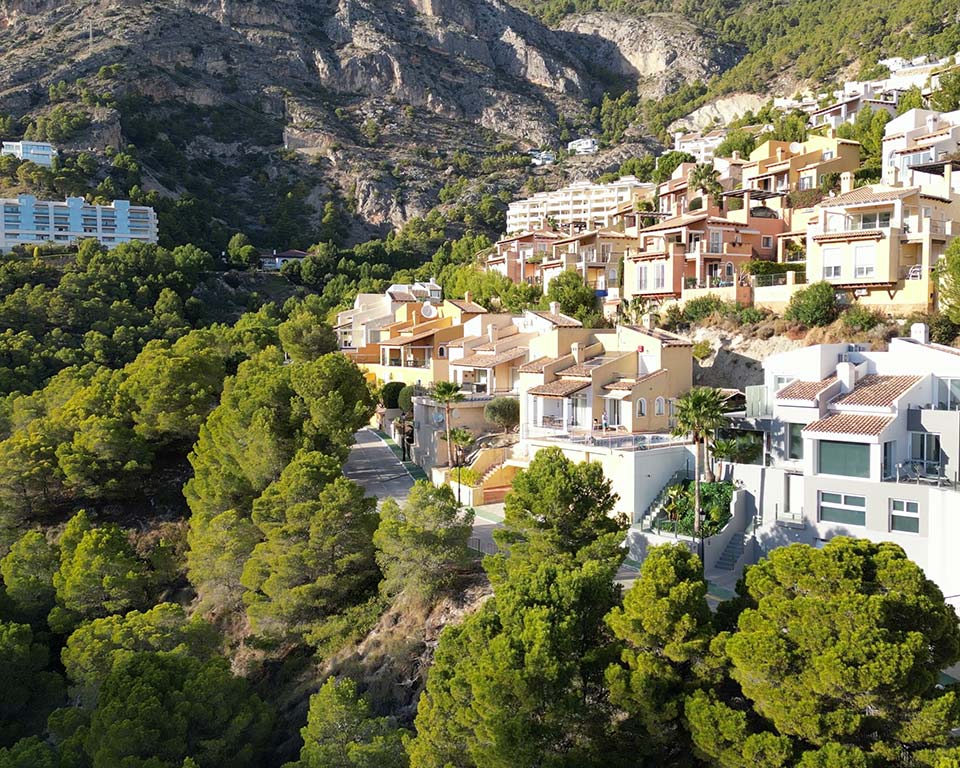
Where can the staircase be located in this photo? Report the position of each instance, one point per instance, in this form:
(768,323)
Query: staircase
(733,551)
(656,506)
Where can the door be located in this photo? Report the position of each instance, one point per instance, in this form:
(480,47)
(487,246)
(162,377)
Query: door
(794,497)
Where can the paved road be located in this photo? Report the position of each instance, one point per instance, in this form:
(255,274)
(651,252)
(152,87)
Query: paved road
(376,467)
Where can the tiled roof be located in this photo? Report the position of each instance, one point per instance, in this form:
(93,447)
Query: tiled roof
(862,195)
(878,391)
(560,320)
(538,365)
(559,388)
(676,221)
(850,424)
(400,341)
(582,370)
(805,390)
(457,343)
(490,361)
(402,296)
(668,339)
(470,307)
(629,384)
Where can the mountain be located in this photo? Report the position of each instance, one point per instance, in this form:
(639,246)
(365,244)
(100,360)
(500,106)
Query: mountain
(258,114)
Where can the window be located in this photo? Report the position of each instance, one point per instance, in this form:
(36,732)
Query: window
(659,275)
(828,154)
(658,407)
(766,242)
(889,459)
(779,382)
(728,270)
(716,242)
(642,277)
(847,459)
(948,394)
(874,220)
(441,351)
(641,407)
(795,441)
(806,182)
(904,516)
(831,262)
(842,508)
(864,259)
(925,452)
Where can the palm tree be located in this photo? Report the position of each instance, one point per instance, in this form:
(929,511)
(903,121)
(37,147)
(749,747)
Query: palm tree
(447,393)
(723,450)
(704,176)
(699,413)
(462,438)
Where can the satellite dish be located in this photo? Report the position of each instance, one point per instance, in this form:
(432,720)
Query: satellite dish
(796,147)
(438,418)
(428,310)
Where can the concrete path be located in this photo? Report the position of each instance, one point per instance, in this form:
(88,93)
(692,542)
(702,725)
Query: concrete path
(376,467)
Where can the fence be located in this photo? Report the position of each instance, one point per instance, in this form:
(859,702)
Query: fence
(476,544)
(780,278)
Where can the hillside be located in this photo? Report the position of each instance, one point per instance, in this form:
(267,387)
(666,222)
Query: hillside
(256,115)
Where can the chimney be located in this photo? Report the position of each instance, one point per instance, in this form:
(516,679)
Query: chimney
(948,178)
(554,308)
(831,133)
(847,374)
(919,332)
(932,122)
(846,182)
(779,153)
(467,297)
(492,333)
(577,351)
(736,154)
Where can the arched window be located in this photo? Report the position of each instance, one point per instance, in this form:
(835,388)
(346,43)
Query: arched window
(441,351)
(642,407)
(659,407)
(729,270)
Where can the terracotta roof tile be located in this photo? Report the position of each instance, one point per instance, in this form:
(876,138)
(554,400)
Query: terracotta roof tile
(491,361)
(559,388)
(668,339)
(878,391)
(560,320)
(850,424)
(862,195)
(805,390)
(538,365)
(470,307)
(457,343)
(629,384)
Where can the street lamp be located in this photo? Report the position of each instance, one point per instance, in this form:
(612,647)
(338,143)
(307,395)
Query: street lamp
(403,435)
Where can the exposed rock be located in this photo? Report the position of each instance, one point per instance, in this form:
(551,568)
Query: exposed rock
(661,50)
(721,111)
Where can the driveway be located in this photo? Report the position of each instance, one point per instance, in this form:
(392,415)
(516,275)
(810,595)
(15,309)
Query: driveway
(373,465)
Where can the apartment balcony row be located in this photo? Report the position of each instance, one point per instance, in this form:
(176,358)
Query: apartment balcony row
(614,437)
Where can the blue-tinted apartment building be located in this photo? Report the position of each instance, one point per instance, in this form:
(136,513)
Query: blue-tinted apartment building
(38,152)
(28,221)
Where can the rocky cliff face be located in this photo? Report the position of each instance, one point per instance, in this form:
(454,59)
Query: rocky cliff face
(433,76)
(661,51)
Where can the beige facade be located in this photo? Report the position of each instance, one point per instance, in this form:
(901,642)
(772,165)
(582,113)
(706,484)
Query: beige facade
(880,243)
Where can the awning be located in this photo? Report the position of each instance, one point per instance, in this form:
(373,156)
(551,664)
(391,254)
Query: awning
(617,394)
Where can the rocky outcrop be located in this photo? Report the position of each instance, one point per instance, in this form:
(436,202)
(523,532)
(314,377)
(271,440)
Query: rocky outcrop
(720,112)
(660,51)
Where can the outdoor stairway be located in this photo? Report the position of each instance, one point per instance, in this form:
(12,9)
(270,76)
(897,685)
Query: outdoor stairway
(494,468)
(733,552)
(646,521)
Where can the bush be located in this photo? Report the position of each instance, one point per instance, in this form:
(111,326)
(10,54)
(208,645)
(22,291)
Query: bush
(465,476)
(405,399)
(861,318)
(715,501)
(702,350)
(751,316)
(942,329)
(815,305)
(761,267)
(701,308)
(671,317)
(504,412)
(390,394)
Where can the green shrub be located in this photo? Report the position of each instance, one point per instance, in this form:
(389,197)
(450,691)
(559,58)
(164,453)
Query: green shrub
(671,317)
(503,411)
(405,399)
(815,305)
(942,329)
(762,267)
(861,318)
(702,350)
(390,394)
(715,501)
(701,308)
(751,316)
(465,476)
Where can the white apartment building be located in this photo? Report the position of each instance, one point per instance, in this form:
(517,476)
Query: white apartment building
(701,145)
(593,206)
(918,137)
(864,444)
(583,146)
(38,152)
(28,221)
(364,323)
